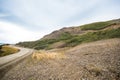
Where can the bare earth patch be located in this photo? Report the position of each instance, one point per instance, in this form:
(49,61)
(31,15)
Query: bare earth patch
(98,60)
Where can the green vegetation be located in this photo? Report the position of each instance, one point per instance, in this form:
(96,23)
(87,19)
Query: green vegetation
(65,35)
(95,26)
(71,38)
(94,36)
(44,44)
(6,50)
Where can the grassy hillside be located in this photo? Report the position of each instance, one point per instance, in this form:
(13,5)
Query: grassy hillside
(94,36)
(98,60)
(44,44)
(86,33)
(6,50)
(100,25)
(95,26)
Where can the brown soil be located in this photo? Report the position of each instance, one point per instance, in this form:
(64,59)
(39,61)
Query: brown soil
(98,60)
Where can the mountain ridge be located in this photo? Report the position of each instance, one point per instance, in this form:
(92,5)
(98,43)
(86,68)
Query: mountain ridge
(72,36)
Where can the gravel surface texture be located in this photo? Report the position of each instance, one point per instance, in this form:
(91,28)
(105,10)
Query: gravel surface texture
(98,60)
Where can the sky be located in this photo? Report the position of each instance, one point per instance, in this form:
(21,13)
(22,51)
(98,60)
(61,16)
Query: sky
(28,20)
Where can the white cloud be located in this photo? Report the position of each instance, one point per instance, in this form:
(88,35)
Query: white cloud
(3,15)
(46,16)
(54,13)
(47,13)
(12,33)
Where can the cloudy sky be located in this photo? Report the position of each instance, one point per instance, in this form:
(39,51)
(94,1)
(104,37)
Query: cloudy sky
(27,20)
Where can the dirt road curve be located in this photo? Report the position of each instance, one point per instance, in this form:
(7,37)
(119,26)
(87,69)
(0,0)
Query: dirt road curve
(23,52)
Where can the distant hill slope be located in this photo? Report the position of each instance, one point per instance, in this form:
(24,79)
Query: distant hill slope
(72,36)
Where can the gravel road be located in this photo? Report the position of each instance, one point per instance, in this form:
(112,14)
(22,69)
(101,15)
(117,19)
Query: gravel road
(9,58)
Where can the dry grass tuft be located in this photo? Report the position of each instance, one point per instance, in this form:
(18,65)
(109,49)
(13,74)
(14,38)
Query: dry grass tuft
(40,55)
(94,69)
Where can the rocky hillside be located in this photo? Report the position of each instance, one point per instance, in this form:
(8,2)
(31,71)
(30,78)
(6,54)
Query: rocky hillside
(73,36)
(98,60)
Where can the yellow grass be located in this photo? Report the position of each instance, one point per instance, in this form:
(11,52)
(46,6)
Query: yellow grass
(6,50)
(9,49)
(39,55)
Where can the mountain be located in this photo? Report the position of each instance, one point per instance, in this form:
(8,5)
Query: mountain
(86,52)
(73,36)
